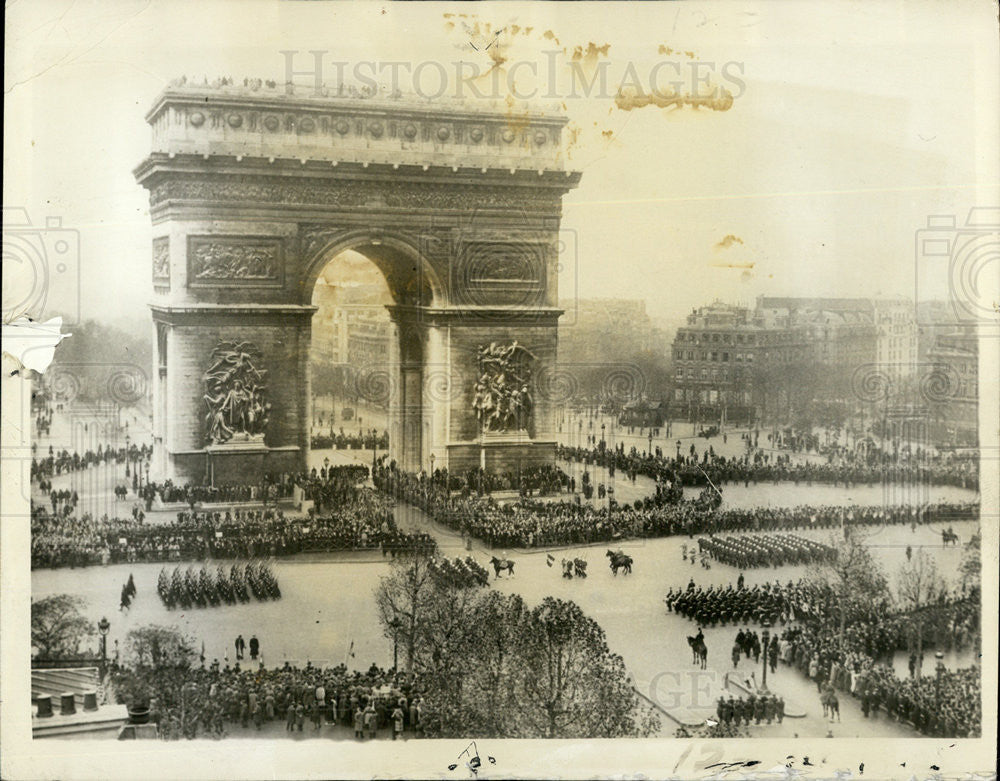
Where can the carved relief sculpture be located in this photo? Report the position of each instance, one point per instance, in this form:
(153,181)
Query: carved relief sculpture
(233,261)
(502,398)
(235,393)
(161,259)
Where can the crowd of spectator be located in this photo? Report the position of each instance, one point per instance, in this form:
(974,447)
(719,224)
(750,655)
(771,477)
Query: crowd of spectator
(540,479)
(169,492)
(531,523)
(63,461)
(945,704)
(214,701)
(366,522)
(758,466)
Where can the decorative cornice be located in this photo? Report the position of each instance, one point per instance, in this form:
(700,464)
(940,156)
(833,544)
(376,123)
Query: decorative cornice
(229,120)
(372,194)
(487,315)
(237,314)
(159,164)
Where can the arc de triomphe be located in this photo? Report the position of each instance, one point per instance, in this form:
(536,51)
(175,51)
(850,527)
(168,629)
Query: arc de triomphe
(254,189)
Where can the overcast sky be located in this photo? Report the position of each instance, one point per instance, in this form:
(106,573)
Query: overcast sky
(850,124)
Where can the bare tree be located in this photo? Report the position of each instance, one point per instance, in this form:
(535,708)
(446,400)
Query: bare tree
(919,586)
(856,576)
(402,598)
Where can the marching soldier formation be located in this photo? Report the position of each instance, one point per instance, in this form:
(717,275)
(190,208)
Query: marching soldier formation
(758,708)
(459,572)
(717,605)
(774,551)
(204,588)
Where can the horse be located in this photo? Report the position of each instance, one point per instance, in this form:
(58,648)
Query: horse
(619,560)
(948,537)
(699,651)
(567,568)
(580,566)
(500,565)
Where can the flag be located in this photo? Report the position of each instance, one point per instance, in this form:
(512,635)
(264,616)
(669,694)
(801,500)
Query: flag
(550,559)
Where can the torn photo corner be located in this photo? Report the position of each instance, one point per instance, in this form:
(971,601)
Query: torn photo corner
(500,390)
(32,344)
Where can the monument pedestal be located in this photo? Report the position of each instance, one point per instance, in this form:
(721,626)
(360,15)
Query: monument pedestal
(506,452)
(234,461)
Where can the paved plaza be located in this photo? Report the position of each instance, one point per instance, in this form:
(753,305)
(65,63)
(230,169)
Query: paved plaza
(328,604)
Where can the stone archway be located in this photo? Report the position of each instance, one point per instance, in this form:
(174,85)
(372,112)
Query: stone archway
(252,190)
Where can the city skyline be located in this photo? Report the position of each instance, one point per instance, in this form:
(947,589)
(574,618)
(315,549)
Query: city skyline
(813,176)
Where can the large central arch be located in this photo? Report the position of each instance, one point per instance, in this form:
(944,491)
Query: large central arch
(254,190)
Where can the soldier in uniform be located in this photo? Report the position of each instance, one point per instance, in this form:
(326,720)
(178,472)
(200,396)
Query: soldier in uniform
(738,711)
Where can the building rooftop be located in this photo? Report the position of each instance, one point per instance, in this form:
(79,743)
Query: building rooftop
(262,119)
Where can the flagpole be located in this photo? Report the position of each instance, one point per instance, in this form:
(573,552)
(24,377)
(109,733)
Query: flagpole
(709,479)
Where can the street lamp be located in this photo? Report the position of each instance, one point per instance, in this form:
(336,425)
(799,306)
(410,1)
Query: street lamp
(374,443)
(651,442)
(765,640)
(395,644)
(939,671)
(128,439)
(678,443)
(104,626)
(432,468)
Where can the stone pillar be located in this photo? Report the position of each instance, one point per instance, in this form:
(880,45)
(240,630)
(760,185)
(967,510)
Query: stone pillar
(439,390)
(281,334)
(412,350)
(67,702)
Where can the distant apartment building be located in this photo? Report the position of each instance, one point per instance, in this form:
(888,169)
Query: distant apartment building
(898,350)
(369,331)
(723,356)
(856,331)
(351,329)
(737,363)
(954,404)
